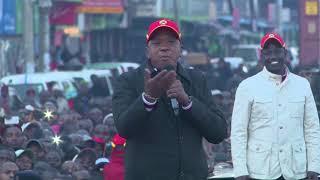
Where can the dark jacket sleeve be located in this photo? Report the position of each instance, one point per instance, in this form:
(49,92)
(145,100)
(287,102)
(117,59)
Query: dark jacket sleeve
(206,116)
(127,106)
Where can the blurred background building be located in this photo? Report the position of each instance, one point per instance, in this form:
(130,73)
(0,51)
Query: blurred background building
(76,32)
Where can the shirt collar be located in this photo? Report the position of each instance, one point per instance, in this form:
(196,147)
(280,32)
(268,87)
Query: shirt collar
(275,77)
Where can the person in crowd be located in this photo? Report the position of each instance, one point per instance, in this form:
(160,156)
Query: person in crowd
(32,130)
(37,149)
(27,175)
(164,110)
(13,137)
(8,170)
(86,124)
(81,175)
(69,149)
(54,158)
(5,99)
(96,115)
(26,115)
(24,159)
(82,100)
(62,102)
(86,158)
(225,72)
(217,97)
(98,89)
(275,130)
(109,122)
(31,98)
(115,169)
(2,122)
(68,167)
(6,154)
(45,170)
(44,97)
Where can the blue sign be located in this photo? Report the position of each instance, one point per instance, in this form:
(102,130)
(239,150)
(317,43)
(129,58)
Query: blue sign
(8,17)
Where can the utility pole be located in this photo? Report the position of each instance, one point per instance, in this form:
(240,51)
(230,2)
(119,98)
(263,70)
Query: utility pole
(230,3)
(253,14)
(176,11)
(28,36)
(44,7)
(279,17)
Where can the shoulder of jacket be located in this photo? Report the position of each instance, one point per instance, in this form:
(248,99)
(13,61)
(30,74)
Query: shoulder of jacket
(299,79)
(252,80)
(195,73)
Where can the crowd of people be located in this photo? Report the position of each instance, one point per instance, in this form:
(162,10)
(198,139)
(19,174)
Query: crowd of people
(53,138)
(50,137)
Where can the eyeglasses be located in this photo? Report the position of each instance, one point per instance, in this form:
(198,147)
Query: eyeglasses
(275,51)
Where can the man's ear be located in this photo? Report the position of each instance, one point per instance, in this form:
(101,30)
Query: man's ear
(286,53)
(147,52)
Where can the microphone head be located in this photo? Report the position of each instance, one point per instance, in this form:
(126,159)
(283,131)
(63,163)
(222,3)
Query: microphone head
(169,67)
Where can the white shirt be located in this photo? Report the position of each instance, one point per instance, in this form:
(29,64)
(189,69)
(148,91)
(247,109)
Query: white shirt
(275,128)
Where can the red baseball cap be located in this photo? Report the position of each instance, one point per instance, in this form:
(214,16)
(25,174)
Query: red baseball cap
(272,35)
(118,140)
(163,23)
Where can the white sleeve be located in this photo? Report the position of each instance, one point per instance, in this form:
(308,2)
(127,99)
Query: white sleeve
(239,130)
(312,133)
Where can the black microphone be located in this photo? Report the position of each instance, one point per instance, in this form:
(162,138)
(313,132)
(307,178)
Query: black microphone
(174,102)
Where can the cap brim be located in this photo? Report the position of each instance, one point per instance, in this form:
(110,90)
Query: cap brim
(34,142)
(178,35)
(26,153)
(272,38)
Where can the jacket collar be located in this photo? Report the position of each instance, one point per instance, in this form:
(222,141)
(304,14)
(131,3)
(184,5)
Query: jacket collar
(181,71)
(274,77)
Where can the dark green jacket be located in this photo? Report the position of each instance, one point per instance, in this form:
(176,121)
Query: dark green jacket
(161,146)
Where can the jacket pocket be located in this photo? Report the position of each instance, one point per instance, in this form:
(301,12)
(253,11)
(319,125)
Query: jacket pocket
(258,158)
(296,106)
(299,159)
(262,108)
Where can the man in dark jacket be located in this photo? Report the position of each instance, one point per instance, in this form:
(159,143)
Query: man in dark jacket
(164,114)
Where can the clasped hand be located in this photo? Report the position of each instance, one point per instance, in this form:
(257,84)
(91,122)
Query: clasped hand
(165,82)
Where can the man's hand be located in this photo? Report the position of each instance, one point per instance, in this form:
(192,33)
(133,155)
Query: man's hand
(157,85)
(312,175)
(243,178)
(176,90)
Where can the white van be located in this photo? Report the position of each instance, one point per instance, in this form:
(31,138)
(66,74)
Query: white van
(63,80)
(85,76)
(40,82)
(116,68)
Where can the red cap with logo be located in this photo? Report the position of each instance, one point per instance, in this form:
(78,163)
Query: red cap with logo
(272,35)
(118,140)
(163,23)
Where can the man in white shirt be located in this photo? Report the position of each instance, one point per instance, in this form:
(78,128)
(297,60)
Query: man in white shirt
(275,125)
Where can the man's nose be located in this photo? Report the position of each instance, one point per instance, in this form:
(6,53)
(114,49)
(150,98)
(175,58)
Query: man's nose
(164,47)
(273,55)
